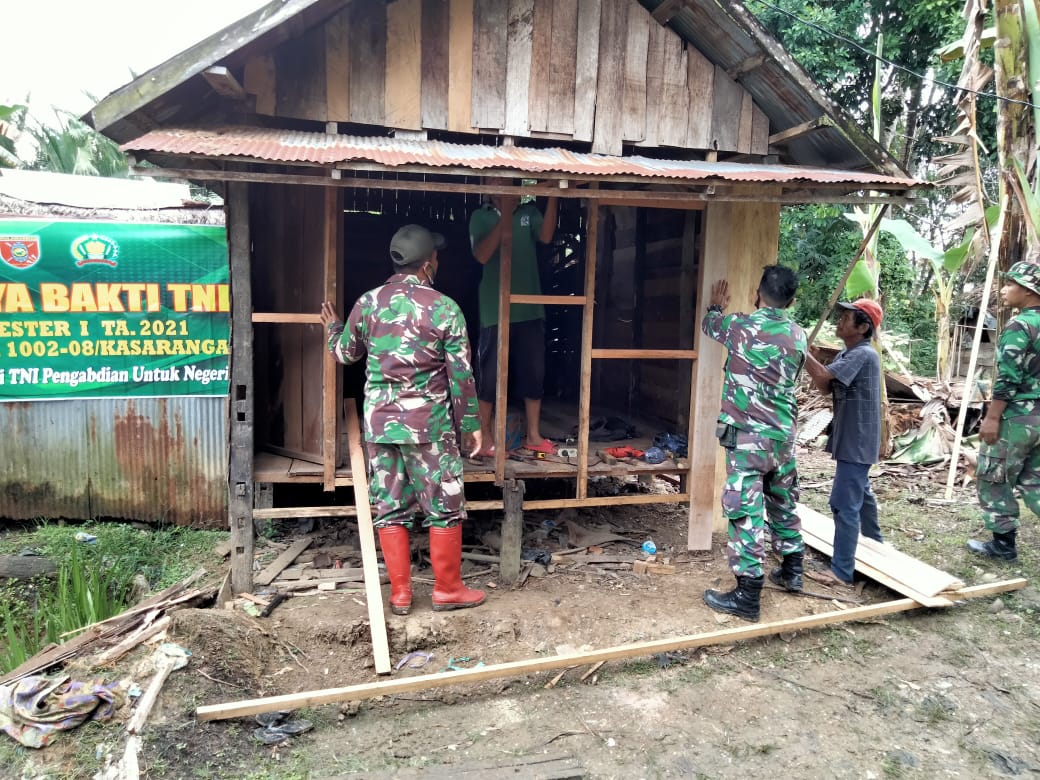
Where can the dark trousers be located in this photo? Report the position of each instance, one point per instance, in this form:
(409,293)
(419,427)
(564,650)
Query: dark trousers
(855,511)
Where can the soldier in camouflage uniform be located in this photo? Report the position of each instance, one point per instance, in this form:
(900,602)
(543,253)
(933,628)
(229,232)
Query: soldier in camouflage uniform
(1010,453)
(757,428)
(420,398)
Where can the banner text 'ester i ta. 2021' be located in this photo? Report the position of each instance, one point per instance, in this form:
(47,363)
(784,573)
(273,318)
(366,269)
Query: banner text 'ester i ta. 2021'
(108,309)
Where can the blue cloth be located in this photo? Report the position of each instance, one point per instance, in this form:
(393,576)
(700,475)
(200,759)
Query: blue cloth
(856,391)
(855,511)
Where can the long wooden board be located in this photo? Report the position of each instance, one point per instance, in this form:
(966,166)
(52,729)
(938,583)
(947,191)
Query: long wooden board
(275,567)
(872,556)
(373,594)
(290,701)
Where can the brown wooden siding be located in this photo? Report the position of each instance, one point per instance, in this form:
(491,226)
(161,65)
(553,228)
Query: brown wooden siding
(586,70)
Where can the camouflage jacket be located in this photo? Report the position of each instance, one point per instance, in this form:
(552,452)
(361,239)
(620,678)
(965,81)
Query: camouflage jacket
(766,352)
(418,359)
(1018,364)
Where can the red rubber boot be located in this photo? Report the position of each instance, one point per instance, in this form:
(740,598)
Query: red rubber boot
(446,556)
(397,555)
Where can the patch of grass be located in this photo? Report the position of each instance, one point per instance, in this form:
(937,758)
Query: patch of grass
(93,580)
(887,699)
(891,767)
(640,668)
(935,709)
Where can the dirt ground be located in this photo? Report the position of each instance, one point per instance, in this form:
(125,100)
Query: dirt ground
(926,693)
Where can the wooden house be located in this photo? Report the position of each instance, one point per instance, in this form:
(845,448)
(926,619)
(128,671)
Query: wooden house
(672,131)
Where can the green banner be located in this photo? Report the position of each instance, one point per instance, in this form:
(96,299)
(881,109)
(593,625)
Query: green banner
(106,309)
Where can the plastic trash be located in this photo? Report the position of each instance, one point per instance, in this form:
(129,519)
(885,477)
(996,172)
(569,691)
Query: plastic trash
(649,547)
(654,455)
(86,538)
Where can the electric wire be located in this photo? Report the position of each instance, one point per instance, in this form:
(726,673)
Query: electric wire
(890,63)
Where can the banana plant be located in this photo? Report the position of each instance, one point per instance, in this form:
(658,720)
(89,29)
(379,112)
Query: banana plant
(946,265)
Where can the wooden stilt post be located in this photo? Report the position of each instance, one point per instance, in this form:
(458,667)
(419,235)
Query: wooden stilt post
(240,428)
(330,370)
(512,530)
(505,278)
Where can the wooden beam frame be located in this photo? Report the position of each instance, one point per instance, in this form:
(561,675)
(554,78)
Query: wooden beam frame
(330,370)
(505,277)
(291,701)
(585,381)
(224,83)
(791,133)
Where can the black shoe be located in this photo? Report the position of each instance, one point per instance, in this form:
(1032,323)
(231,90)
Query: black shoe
(789,573)
(1002,547)
(742,601)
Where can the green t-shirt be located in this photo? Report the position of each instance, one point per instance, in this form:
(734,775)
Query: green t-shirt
(527,224)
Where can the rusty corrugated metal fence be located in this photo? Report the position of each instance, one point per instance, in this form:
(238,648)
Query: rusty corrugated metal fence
(148,459)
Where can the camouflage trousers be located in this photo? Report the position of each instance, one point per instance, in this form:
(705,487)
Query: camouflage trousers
(1013,462)
(761,490)
(405,479)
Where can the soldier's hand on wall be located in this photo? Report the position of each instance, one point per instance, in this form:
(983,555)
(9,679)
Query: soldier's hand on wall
(720,294)
(328,314)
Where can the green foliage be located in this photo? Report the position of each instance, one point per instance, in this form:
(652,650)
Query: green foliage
(74,147)
(93,580)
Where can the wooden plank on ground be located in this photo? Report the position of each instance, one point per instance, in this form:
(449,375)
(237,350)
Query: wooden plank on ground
(898,566)
(275,567)
(373,594)
(248,707)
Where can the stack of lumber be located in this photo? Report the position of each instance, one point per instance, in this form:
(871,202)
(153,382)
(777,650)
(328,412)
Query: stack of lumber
(301,567)
(885,564)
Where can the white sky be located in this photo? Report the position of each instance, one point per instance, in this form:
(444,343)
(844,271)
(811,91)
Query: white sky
(58,50)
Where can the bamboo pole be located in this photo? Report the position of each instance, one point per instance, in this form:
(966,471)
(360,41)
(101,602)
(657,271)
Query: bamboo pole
(976,342)
(848,272)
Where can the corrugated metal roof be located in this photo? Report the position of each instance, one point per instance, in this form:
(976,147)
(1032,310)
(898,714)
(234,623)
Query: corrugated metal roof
(289,146)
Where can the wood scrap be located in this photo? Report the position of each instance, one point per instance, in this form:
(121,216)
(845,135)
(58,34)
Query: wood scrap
(255,599)
(592,670)
(277,599)
(275,567)
(25,567)
(142,634)
(649,567)
(167,658)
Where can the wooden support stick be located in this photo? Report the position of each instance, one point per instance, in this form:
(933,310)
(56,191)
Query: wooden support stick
(292,701)
(330,370)
(505,276)
(585,381)
(373,595)
(848,272)
(969,381)
(275,567)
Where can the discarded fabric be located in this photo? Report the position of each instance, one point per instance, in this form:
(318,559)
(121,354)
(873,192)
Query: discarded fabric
(33,709)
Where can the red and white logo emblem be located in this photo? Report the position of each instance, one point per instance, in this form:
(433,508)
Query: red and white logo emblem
(20,252)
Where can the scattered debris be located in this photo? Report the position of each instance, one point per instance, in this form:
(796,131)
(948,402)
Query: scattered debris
(34,708)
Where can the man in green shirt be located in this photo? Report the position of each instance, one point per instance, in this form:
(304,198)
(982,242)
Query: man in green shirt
(526,320)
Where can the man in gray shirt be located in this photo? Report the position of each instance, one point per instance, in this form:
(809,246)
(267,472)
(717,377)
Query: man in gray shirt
(853,379)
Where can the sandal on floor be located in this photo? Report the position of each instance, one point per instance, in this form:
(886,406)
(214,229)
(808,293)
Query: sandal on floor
(546,447)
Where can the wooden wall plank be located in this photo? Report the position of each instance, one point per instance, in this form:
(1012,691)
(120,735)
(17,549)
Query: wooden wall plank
(659,37)
(700,82)
(460,65)
(541,43)
(725,112)
(633,126)
(403,82)
(739,239)
(759,131)
(435,38)
(367,51)
(259,80)
(489,64)
(744,126)
(675,98)
(300,76)
(606,137)
(586,69)
(518,66)
(562,66)
(337,67)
